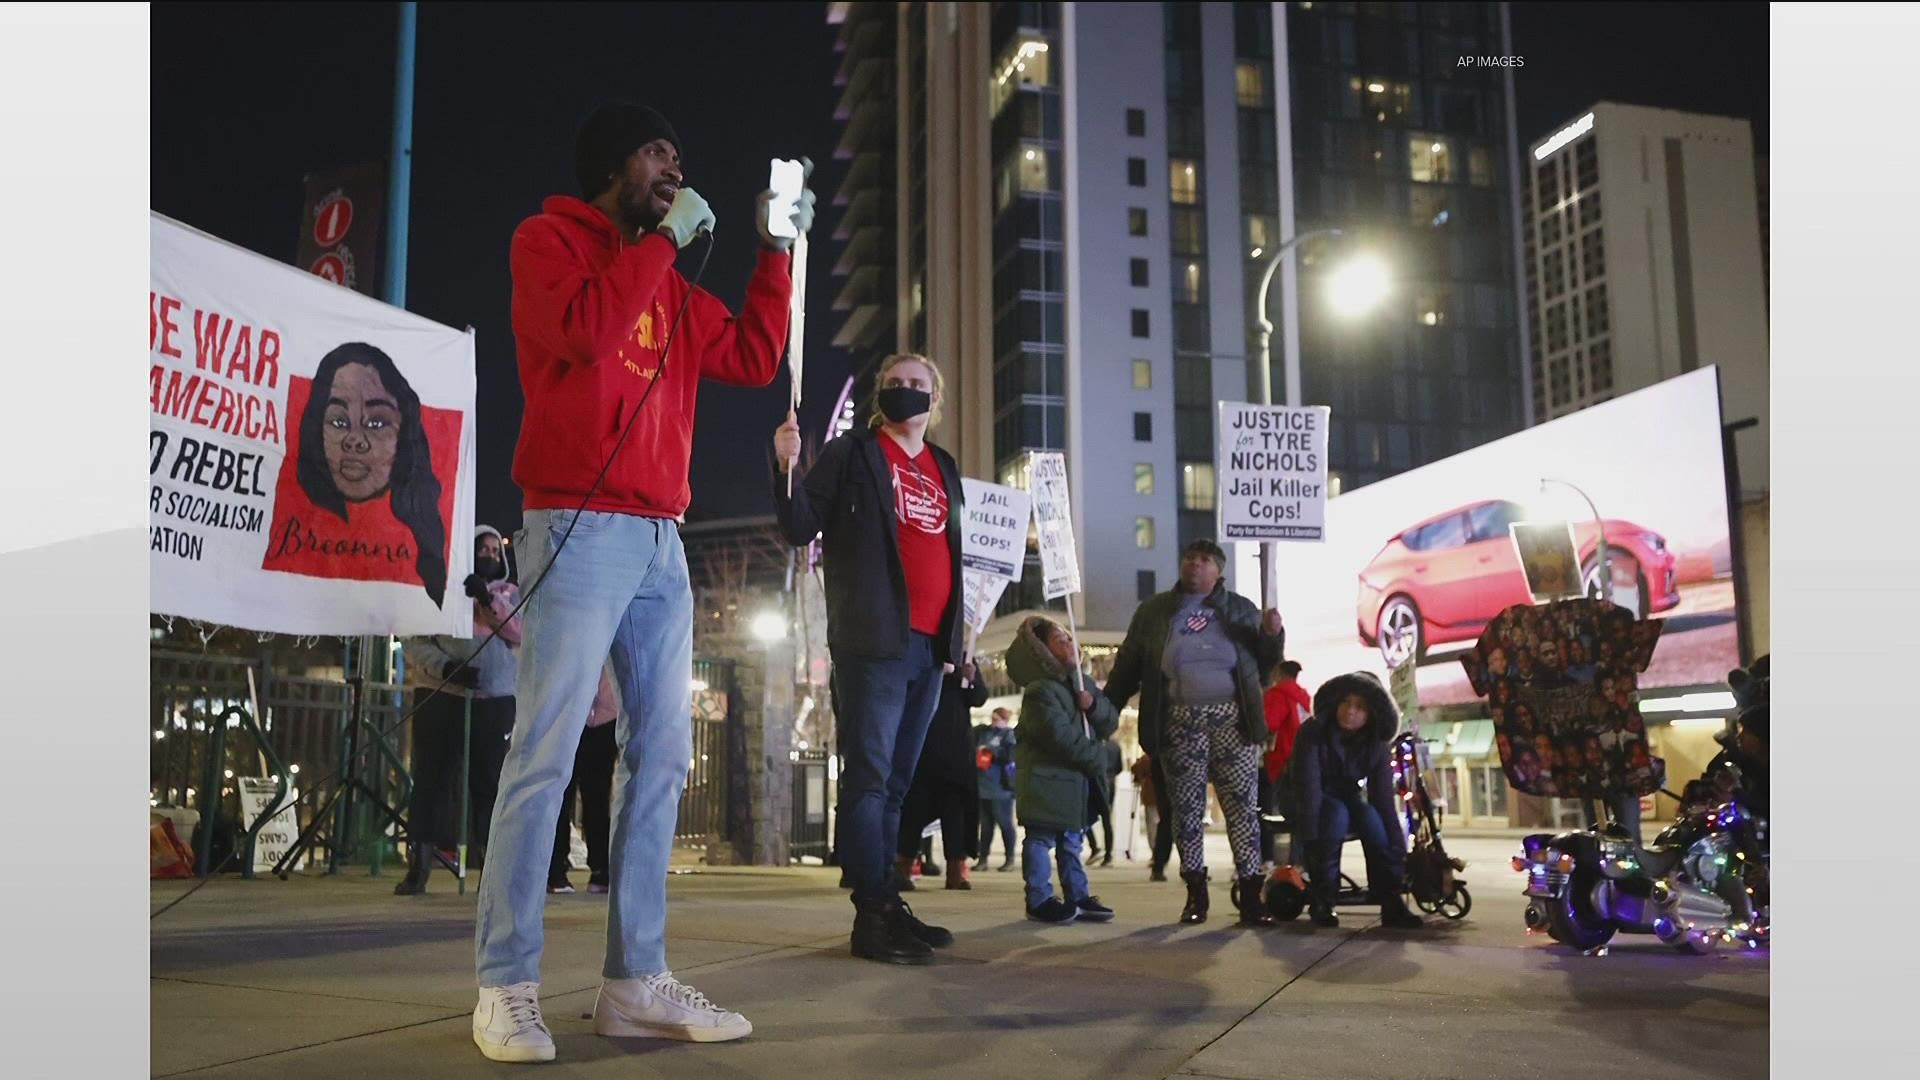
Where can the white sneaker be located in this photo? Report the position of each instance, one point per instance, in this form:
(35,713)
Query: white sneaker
(662,1007)
(507,1024)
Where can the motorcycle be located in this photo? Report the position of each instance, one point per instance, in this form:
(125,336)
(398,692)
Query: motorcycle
(1700,884)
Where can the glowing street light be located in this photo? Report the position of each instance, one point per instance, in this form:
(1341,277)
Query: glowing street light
(769,627)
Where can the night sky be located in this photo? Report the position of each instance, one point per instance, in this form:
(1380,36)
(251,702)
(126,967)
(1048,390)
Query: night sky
(248,98)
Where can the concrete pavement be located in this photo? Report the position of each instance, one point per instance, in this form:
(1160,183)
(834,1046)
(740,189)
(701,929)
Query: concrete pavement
(336,977)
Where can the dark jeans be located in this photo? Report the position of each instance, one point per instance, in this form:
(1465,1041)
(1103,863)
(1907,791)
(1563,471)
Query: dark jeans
(1386,868)
(593,779)
(439,729)
(996,813)
(886,706)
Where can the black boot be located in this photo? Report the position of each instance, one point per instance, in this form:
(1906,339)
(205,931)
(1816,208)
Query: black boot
(1320,903)
(879,935)
(1158,873)
(1253,906)
(419,867)
(1395,916)
(1197,900)
(936,937)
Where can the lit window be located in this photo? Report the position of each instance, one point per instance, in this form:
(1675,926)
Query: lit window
(1383,100)
(1258,232)
(1143,479)
(1036,169)
(1143,532)
(1183,181)
(1190,283)
(1017,473)
(1196,486)
(1142,375)
(1250,83)
(1428,160)
(1023,64)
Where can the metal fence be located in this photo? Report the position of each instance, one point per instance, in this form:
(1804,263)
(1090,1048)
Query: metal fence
(205,736)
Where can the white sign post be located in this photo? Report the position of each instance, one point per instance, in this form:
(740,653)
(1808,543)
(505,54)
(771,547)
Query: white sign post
(279,833)
(1059,558)
(1053,518)
(995,542)
(1272,462)
(993,547)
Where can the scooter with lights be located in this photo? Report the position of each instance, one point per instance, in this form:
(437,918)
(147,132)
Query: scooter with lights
(1700,884)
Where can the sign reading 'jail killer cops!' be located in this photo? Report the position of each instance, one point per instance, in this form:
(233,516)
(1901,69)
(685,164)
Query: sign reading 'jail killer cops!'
(1272,471)
(995,541)
(311,457)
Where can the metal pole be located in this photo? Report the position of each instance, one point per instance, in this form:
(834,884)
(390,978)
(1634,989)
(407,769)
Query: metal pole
(1263,382)
(400,161)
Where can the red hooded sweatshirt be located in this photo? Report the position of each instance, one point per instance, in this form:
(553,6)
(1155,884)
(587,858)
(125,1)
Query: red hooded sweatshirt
(590,314)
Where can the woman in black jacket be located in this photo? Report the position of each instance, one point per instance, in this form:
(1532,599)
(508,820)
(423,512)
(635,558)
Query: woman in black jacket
(1344,744)
(887,506)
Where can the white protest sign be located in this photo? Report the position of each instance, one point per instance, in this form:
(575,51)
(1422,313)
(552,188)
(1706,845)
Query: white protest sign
(278,834)
(1059,560)
(1272,462)
(982,593)
(995,540)
(311,453)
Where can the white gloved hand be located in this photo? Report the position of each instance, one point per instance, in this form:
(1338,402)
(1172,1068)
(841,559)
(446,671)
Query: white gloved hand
(688,215)
(802,215)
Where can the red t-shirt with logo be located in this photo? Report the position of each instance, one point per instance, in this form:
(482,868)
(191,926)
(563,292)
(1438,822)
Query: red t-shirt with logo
(920,512)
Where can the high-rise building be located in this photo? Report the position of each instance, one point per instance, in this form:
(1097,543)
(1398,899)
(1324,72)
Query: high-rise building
(1089,193)
(1644,253)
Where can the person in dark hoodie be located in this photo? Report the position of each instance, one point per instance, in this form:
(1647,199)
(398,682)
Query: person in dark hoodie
(1198,656)
(1344,744)
(887,505)
(1057,767)
(613,345)
(943,783)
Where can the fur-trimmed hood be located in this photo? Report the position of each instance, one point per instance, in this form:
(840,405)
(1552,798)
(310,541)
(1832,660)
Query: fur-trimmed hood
(1383,720)
(1029,660)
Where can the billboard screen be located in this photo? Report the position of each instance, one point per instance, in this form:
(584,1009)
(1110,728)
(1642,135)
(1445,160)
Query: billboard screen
(1422,562)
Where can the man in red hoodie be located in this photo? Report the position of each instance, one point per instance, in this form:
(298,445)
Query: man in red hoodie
(612,345)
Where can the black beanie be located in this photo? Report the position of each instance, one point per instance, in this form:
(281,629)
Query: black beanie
(609,137)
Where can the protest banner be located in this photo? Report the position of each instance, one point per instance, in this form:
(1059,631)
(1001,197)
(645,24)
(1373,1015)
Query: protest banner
(1272,470)
(311,456)
(1059,558)
(995,540)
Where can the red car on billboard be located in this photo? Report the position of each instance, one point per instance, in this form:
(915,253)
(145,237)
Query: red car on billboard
(1445,578)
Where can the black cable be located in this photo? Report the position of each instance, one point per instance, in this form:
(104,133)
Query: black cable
(666,347)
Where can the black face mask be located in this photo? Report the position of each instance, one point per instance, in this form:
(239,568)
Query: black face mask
(902,403)
(489,569)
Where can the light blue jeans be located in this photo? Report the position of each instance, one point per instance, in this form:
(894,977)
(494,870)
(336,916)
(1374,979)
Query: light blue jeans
(1043,847)
(618,590)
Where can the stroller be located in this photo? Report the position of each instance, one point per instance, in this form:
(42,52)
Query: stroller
(1431,872)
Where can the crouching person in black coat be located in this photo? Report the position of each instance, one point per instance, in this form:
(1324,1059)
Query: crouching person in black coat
(1345,743)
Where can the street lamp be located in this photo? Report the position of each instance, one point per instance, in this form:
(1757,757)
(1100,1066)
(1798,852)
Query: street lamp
(769,627)
(1604,575)
(1356,287)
